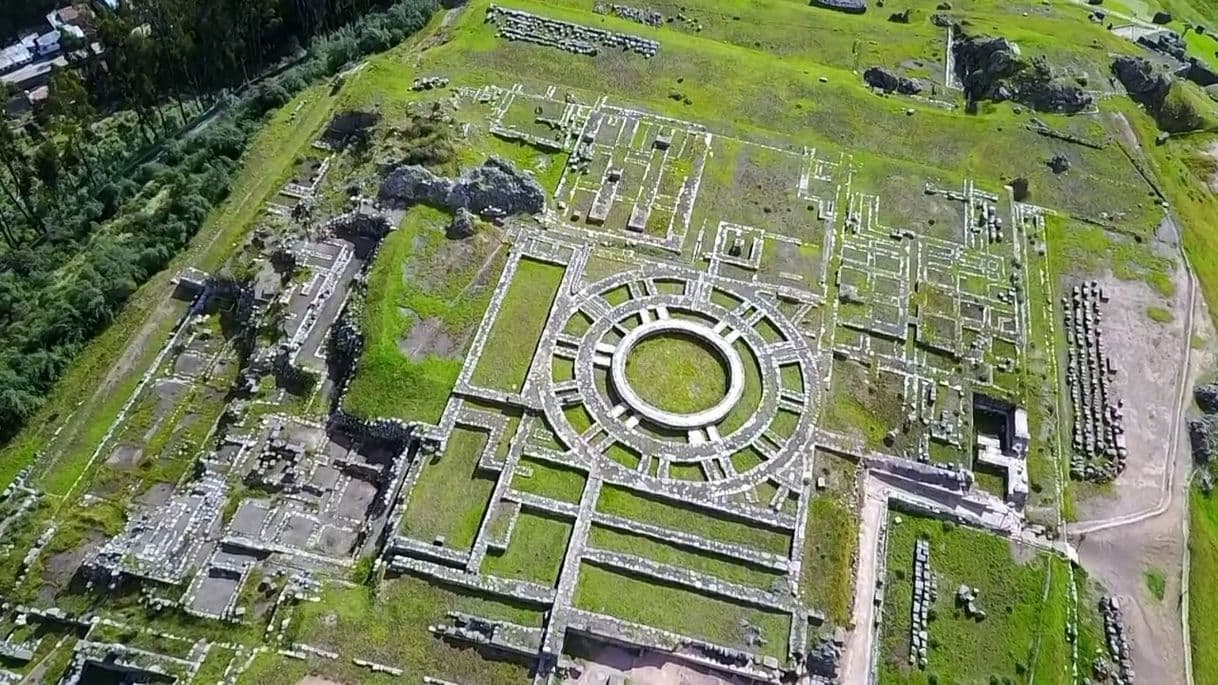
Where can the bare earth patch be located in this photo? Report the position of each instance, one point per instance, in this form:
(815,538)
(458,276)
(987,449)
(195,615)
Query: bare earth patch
(427,338)
(652,668)
(1149,357)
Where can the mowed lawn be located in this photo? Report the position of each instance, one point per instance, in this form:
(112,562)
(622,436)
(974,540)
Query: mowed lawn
(1023,593)
(450,496)
(509,349)
(1202,601)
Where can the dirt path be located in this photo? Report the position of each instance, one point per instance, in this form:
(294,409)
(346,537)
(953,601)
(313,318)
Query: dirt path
(1120,551)
(856,662)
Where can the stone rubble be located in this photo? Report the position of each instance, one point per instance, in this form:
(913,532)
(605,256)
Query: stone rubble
(925,592)
(1099,450)
(517,25)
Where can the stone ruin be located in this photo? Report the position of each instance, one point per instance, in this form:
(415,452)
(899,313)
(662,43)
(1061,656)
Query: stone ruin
(429,83)
(1099,432)
(1203,430)
(925,591)
(347,128)
(1121,672)
(493,190)
(966,599)
(646,16)
(516,25)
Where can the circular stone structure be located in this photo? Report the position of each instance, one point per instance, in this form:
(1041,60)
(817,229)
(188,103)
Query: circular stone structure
(732,363)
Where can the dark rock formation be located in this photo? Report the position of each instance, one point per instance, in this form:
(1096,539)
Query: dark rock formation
(848,6)
(901,17)
(941,20)
(945,6)
(1141,79)
(1206,396)
(1201,436)
(1165,42)
(992,69)
(885,80)
(1059,163)
(1019,188)
(1161,17)
(495,188)
(462,225)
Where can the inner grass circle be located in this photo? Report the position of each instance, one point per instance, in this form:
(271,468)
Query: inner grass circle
(677,373)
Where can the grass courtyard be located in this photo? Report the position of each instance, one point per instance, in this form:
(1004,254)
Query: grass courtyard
(676,373)
(1023,592)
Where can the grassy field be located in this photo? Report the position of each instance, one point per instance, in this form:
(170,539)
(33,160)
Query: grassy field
(627,504)
(513,338)
(421,278)
(549,480)
(433,509)
(676,373)
(1023,593)
(354,621)
(535,551)
(1203,568)
(679,610)
(668,553)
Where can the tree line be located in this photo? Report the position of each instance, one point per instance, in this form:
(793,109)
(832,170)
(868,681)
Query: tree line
(87,214)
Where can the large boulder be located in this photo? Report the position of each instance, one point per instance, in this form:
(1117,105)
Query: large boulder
(462,225)
(993,69)
(1140,78)
(1201,436)
(496,187)
(1206,396)
(889,82)
(848,6)
(1162,17)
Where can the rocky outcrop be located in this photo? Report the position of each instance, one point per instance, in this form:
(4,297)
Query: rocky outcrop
(901,17)
(1162,17)
(993,69)
(1059,163)
(1206,396)
(848,6)
(889,82)
(1202,438)
(494,189)
(1140,78)
(462,225)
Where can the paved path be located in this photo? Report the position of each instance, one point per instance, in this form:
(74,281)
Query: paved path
(857,659)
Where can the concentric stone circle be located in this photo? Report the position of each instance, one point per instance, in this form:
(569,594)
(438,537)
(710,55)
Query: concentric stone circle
(669,298)
(668,419)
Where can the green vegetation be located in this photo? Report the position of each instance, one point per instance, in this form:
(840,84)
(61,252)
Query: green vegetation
(682,611)
(676,373)
(1159,314)
(513,338)
(751,399)
(668,553)
(549,480)
(535,552)
(648,509)
(1156,584)
(434,509)
(420,280)
(1023,593)
(1203,568)
(829,548)
(355,621)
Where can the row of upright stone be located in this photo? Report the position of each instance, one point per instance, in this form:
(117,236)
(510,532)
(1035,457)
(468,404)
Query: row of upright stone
(517,25)
(1099,432)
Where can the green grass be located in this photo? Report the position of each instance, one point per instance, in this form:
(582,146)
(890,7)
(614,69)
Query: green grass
(627,504)
(1159,314)
(1156,584)
(830,544)
(550,480)
(411,282)
(435,508)
(676,373)
(390,627)
(1203,569)
(1026,620)
(513,338)
(679,610)
(535,551)
(667,553)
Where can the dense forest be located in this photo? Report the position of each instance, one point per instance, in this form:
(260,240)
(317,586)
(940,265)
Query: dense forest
(100,189)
